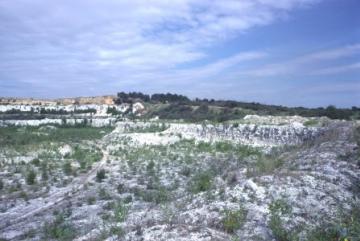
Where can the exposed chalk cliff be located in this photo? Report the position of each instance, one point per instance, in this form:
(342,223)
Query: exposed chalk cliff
(248,134)
(98,122)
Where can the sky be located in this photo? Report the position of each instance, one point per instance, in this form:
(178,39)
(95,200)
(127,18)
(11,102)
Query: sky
(285,52)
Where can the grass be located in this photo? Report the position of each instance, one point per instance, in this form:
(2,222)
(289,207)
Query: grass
(310,123)
(17,137)
(265,164)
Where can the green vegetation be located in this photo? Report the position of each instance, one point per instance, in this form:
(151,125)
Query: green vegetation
(91,200)
(175,107)
(85,156)
(16,137)
(311,123)
(234,219)
(100,175)
(278,209)
(120,212)
(148,129)
(201,182)
(59,229)
(30,177)
(347,228)
(44,171)
(265,164)
(36,162)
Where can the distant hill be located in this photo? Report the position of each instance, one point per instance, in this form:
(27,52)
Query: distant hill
(176,106)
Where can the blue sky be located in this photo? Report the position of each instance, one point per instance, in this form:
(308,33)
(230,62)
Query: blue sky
(288,52)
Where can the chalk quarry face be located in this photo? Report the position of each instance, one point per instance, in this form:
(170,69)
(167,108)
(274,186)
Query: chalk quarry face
(266,178)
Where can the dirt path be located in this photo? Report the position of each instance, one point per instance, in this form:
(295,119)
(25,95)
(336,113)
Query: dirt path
(57,197)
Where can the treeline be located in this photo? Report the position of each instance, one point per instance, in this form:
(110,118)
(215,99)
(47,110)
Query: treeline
(181,107)
(203,112)
(131,97)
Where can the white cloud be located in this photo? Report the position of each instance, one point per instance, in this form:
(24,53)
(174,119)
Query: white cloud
(307,64)
(131,35)
(337,69)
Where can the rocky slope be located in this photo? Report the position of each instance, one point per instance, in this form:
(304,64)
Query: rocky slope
(171,181)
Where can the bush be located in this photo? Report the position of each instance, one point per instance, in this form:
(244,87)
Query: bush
(36,161)
(311,123)
(150,168)
(120,212)
(158,196)
(265,165)
(91,200)
(31,177)
(201,182)
(234,219)
(44,172)
(278,209)
(100,175)
(1,184)
(59,229)
(103,194)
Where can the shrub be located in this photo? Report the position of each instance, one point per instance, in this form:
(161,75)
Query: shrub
(91,200)
(158,196)
(265,165)
(150,168)
(223,146)
(311,123)
(201,182)
(59,229)
(117,231)
(185,171)
(100,175)
(30,177)
(103,194)
(44,173)
(36,161)
(128,199)
(120,212)
(1,184)
(234,219)
(278,209)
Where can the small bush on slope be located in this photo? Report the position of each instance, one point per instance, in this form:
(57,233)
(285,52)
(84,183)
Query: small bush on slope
(59,229)
(234,219)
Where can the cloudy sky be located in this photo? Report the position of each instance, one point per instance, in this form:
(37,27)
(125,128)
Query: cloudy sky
(289,52)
